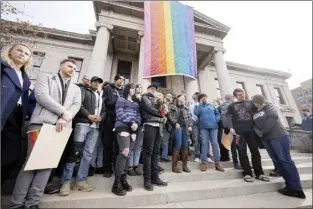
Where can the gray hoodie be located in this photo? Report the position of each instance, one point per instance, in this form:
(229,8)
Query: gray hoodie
(267,124)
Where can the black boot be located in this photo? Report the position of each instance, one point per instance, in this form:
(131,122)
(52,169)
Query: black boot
(160,170)
(91,171)
(51,189)
(107,174)
(118,188)
(275,173)
(137,171)
(292,193)
(131,171)
(99,170)
(148,185)
(157,181)
(34,207)
(125,183)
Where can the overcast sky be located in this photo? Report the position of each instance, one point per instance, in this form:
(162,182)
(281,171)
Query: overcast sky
(275,35)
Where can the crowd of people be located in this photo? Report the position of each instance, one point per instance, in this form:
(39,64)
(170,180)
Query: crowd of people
(116,127)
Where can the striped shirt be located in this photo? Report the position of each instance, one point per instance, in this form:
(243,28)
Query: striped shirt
(127,112)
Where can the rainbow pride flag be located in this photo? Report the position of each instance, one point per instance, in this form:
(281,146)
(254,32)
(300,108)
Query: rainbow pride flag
(169,39)
(32,136)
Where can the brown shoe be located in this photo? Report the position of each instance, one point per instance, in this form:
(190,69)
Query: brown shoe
(175,168)
(185,160)
(218,167)
(203,167)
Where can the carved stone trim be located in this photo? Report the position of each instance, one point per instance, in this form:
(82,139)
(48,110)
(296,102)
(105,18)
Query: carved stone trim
(218,49)
(106,25)
(140,33)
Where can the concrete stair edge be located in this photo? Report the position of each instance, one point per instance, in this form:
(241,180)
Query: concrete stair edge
(259,200)
(175,192)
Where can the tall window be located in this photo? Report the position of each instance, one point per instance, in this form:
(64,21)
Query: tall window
(242,85)
(217,86)
(38,57)
(79,63)
(160,82)
(260,90)
(279,95)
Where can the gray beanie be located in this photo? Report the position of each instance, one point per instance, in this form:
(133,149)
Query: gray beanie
(228,97)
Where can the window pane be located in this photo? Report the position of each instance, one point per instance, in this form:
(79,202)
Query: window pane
(38,58)
(279,96)
(259,90)
(79,62)
(240,85)
(75,76)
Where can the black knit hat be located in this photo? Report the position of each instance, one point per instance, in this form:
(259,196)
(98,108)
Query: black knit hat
(201,96)
(126,89)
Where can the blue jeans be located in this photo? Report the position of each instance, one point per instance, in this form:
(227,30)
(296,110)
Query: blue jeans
(197,139)
(97,155)
(279,151)
(165,143)
(207,136)
(84,134)
(136,146)
(181,139)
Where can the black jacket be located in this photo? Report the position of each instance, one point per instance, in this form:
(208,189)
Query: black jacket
(110,96)
(149,113)
(267,123)
(88,106)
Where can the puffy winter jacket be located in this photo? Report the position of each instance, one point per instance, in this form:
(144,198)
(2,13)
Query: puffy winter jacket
(208,116)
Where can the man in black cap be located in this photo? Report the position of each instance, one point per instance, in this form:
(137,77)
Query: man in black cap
(85,136)
(153,125)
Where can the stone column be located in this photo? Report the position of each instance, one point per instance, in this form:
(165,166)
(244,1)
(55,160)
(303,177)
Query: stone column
(191,86)
(145,82)
(100,51)
(222,72)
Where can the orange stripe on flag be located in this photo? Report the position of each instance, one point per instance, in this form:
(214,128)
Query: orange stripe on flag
(161,38)
(33,135)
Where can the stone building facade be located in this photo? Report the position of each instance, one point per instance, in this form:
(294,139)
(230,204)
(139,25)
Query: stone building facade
(117,47)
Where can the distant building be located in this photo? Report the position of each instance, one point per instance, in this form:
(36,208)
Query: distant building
(303,95)
(117,47)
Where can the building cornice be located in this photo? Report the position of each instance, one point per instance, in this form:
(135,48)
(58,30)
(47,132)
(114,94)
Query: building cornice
(49,43)
(61,34)
(257,70)
(221,29)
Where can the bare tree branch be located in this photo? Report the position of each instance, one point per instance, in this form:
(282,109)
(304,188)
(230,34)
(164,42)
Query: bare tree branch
(9,29)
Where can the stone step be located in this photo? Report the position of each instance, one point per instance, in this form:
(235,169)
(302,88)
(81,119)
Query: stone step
(263,156)
(101,197)
(265,162)
(261,200)
(195,175)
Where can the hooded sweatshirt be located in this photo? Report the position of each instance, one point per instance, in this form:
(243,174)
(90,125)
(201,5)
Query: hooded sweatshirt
(267,123)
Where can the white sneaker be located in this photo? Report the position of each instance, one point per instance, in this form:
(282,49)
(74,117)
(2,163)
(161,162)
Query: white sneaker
(197,160)
(210,160)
